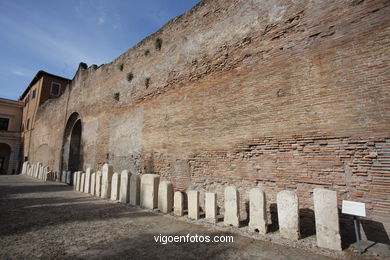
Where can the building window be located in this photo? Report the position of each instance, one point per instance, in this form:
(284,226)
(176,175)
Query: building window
(55,89)
(4,122)
(33,94)
(26,100)
(27,124)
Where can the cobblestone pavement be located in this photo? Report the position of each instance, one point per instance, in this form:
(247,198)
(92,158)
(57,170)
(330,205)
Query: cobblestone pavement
(47,220)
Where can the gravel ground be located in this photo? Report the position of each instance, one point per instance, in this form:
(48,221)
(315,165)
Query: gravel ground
(47,220)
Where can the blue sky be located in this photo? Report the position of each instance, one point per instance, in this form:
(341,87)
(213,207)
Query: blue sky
(55,36)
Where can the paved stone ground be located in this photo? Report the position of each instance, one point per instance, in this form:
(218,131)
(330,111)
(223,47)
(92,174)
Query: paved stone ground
(47,220)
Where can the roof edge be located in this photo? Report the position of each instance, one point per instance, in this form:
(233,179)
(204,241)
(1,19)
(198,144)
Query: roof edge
(37,77)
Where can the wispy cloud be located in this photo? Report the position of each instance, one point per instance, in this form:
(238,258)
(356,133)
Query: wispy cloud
(101,20)
(22,72)
(18,73)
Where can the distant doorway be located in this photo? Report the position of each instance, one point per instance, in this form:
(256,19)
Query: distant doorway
(74,149)
(5,154)
(72,157)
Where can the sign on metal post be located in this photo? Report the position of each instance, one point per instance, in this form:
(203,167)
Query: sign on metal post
(353,208)
(356,209)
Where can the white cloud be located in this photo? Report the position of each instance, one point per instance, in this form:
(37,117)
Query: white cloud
(22,72)
(17,72)
(101,20)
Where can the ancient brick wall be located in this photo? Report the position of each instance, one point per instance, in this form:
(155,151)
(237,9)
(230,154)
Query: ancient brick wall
(283,94)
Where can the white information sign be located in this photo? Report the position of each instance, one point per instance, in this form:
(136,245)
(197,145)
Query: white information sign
(353,208)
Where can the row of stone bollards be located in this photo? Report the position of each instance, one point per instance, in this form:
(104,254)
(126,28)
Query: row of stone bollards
(147,191)
(38,171)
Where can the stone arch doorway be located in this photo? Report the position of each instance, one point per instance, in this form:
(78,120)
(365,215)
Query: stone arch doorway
(5,155)
(72,157)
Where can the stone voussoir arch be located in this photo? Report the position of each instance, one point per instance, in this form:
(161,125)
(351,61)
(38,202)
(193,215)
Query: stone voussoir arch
(71,151)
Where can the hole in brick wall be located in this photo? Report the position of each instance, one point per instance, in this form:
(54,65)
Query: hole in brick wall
(116,96)
(256,230)
(130,76)
(147,82)
(158,44)
(120,66)
(280,93)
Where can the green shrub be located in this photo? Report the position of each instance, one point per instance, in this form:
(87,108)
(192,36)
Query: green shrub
(130,76)
(158,44)
(147,82)
(116,96)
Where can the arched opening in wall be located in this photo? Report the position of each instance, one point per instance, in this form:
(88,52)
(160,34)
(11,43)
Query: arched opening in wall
(5,154)
(72,157)
(74,149)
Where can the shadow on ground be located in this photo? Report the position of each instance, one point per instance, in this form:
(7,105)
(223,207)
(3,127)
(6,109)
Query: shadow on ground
(23,214)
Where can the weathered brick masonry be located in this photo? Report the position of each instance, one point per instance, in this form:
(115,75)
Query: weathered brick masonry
(286,94)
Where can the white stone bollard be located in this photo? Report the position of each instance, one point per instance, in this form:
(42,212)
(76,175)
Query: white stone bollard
(178,201)
(87,184)
(135,187)
(40,167)
(98,184)
(93,184)
(78,187)
(107,172)
(82,183)
(39,172)
(74,184)
(41,175)
(165,196)
(32,170)
(232,207)
(24,168)
(36,171)
(125,185)
(327,219)
(193,204)
(258,211)
(288,214)
(75,180)
(149,190)
(46,173)
(115,186)
(211,207)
